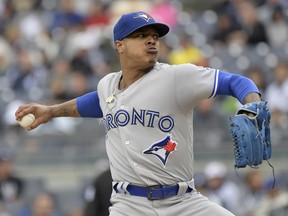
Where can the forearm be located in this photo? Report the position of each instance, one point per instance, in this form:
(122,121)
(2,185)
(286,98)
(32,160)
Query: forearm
(251,97)
(67,109)
(44,114)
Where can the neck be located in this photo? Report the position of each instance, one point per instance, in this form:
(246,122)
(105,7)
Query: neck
(129,76)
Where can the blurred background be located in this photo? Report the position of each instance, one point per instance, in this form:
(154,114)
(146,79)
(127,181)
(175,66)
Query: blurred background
(55,50)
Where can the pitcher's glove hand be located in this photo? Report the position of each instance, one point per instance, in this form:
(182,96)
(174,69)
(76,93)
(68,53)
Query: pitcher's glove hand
(251,135)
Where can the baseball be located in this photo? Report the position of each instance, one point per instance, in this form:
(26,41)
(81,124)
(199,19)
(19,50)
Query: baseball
(27,120)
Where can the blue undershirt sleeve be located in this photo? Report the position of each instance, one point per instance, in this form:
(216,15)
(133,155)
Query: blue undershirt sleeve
(88,105)
(235,85)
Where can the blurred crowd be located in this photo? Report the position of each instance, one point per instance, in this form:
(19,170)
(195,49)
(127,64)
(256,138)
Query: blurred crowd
(55,50)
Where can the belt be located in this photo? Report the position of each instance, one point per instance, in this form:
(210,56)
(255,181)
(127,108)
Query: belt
(156,192)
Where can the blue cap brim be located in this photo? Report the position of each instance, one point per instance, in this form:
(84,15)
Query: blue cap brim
(160,27)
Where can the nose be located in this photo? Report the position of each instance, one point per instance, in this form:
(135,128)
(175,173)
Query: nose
(151,40)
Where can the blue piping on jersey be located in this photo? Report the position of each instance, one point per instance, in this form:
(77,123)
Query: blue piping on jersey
(215,87)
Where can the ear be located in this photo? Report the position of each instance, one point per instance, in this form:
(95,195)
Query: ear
(119,46)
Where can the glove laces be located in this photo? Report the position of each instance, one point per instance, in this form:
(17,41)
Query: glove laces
(237,149)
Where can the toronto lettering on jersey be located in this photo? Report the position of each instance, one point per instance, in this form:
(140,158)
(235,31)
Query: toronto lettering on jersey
(147,118)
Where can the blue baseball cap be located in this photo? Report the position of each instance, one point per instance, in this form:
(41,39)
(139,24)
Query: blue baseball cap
(128,23)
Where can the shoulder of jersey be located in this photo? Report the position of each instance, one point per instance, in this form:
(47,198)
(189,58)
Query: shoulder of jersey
(110,76)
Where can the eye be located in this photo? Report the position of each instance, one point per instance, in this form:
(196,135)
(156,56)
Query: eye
(141,35)
(156,36)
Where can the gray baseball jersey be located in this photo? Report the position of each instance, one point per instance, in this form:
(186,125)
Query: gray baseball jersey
(149,124)
(150,138)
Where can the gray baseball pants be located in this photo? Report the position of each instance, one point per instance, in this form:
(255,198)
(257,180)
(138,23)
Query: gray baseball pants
(187,204)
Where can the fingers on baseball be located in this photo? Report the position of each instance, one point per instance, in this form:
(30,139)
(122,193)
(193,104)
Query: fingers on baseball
(34,125)
(25,110)
(40,119)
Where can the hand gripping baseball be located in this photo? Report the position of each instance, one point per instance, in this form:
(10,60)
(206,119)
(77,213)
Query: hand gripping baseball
(42,114)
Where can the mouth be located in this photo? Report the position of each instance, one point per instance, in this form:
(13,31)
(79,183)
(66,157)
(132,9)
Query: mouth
(152,51)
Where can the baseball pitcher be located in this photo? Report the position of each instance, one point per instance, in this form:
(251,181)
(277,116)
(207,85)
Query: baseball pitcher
(147,109)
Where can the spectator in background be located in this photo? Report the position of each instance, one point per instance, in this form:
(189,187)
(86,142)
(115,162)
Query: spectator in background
(43,204)
(253,28)
(79,44)
(187,52)
(275,202)
(219,189)
(78,85)
(257,75)
(27,74)
(97,15)
(59,80)
(226,32)
(252,193)
(80,62)
(228,8)
(278,87)
(277,28)
(11,185)
(7,13)
(66,17)
(228,28)
(14,37)
(97,195)
(5,56)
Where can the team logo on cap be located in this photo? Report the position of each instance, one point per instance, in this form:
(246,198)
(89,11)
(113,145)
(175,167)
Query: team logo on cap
(144,16)
(162,149)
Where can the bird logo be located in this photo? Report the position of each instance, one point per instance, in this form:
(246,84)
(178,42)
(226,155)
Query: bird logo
(144,16)
(162,149)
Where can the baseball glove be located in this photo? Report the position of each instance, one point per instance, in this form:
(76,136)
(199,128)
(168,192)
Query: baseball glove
(251,135)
